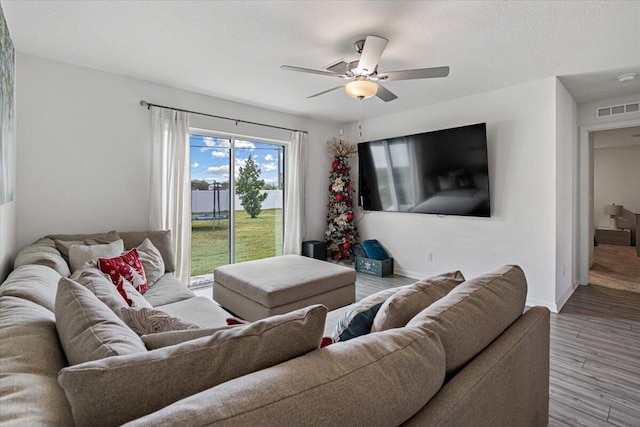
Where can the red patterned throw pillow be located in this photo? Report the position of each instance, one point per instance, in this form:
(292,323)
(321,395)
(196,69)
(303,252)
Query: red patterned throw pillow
(126,267)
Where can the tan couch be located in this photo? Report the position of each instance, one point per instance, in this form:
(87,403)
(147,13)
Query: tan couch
(471,358)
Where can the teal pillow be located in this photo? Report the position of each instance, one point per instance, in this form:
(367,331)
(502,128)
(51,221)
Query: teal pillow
(374,249)
(358,320)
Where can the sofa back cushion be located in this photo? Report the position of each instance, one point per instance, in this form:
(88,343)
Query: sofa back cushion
(377,379)
(88,328)
(115,390)
(396,311)
(30,359)
(475,313)
(64,241)
(35,283)
(162,240)
(42,252)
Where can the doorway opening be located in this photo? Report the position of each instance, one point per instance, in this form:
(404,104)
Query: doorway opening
(609,202)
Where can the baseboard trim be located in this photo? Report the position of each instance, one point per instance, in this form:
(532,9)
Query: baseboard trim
(565,297)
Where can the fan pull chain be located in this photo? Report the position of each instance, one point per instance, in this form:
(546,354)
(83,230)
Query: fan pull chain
(360,116)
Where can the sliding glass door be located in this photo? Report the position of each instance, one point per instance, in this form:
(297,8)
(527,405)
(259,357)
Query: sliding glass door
(237,197)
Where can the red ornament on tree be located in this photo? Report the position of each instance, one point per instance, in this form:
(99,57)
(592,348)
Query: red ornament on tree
(349,217)
(346,245)
(335,164)
(339,197)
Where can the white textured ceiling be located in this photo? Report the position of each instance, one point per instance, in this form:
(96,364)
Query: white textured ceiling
(234,49)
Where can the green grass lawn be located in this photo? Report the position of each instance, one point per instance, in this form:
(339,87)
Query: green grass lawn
(256,238)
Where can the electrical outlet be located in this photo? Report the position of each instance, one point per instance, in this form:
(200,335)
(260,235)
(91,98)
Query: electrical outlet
(430,257)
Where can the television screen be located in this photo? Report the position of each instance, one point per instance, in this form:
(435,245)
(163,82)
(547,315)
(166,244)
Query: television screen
(444,172)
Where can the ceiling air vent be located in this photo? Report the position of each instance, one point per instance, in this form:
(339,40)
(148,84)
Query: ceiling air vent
(339,66)
(614,110)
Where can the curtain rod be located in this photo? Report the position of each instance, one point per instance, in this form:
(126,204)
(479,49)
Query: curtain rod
(149,105)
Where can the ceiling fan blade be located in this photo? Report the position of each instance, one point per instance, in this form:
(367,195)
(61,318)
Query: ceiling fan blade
(385,94)
(325,91)
(371,53)
(311,71)
(420,73)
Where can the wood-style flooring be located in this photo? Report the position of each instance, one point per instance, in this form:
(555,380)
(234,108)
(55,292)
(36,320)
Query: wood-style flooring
(595,355)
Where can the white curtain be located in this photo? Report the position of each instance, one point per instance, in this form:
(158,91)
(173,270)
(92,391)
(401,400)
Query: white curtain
(294,194)
(170,197)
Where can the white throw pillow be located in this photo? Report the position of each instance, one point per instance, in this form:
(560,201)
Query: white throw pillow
(151,261)
(79,254)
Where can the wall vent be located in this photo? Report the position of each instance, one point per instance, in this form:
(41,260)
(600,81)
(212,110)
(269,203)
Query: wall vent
(614,110)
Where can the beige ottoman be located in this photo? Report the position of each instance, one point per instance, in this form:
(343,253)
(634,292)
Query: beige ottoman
(257,289)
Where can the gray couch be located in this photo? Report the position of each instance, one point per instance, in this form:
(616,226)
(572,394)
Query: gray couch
(471,358)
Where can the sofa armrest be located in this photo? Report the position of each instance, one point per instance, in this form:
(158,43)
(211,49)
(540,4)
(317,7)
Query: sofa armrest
(506,384)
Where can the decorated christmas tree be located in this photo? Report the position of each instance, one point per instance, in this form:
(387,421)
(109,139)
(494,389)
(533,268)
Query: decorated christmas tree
(341,234)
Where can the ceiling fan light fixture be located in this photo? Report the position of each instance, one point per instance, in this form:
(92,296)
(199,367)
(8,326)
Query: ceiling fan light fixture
(361,89)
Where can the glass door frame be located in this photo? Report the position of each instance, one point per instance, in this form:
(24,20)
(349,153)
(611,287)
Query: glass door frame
(233,137)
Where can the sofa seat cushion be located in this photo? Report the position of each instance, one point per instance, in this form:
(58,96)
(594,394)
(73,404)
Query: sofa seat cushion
(88,328)
(199,310)
(111,391)
(30,359)
(42,252)
(167,290)
(35,283)
(279,280)
(398,309)
(475,313)
(359,382)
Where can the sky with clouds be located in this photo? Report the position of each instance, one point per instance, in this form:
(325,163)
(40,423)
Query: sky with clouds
(210,158)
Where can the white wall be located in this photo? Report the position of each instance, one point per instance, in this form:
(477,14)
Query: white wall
(7,238)
(8,248)
(521,131)
(84,148)
(566,267)
(587,110)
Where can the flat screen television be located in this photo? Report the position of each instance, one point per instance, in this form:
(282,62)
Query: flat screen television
(445,172)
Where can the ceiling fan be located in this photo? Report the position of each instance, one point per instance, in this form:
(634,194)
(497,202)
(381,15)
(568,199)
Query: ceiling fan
(364,75)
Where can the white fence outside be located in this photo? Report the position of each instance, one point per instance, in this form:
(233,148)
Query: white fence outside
(202,201)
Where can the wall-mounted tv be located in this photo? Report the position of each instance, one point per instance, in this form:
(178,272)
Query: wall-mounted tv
(445,172)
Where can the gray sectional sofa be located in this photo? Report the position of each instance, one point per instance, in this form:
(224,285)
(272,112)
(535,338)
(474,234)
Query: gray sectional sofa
(471,358)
